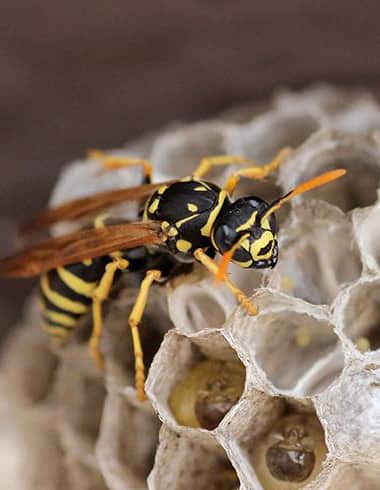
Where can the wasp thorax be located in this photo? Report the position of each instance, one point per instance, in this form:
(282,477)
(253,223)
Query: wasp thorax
(207,393)
(291,452)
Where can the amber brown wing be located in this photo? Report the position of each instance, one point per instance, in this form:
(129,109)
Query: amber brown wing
(79,246)
(86,205)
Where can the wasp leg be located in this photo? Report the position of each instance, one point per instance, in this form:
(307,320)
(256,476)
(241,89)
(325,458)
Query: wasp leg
(114,162)
(100,295)
(207,163)
(212,266)
(134,320)
(255,171)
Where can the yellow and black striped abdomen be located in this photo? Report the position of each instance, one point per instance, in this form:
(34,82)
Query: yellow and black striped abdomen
(67,292)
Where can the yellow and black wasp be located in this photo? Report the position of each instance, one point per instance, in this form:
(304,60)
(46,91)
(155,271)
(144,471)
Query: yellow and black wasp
(183,221)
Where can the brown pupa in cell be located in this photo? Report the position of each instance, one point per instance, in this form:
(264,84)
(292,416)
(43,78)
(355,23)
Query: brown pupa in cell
(207,393)
(291,453)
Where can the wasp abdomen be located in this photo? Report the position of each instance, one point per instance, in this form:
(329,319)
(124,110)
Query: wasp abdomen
(67,292)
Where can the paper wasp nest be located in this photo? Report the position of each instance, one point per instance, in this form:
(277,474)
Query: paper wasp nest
(285,400)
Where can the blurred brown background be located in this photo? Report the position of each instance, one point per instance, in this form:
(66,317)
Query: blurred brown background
(81,74)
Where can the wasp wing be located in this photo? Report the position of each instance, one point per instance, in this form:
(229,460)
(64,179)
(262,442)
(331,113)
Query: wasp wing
(80,207)
(79,246)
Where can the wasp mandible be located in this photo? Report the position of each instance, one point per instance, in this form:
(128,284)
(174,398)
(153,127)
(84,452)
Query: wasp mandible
(183,221)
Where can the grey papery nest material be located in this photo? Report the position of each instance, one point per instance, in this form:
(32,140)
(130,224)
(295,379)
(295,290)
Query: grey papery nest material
(310,358)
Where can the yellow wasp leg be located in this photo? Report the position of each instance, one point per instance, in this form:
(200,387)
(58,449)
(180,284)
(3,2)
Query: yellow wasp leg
(255,171)
(100,295)
(207,163)
(134,320)
(113,162)
(212,266)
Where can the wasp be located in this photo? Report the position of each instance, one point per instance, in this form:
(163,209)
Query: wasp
(183,221)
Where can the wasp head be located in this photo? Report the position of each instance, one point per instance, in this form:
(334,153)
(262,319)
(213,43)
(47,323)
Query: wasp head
(244,229)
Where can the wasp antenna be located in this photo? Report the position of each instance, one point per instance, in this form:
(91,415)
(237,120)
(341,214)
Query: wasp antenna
(305,187)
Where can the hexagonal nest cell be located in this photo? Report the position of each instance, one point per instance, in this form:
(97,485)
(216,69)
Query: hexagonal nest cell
(285,399)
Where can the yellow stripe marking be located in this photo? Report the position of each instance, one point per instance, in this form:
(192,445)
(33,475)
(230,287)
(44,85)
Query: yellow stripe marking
(200,188)
(153,206)
(206,229)
(162,189)
(59,300)
(76,283)
(257,245)
(55,330)
(192,207)
(245,244)
(183,245)
(165,225)
(203,183)
(87,262)
(117,255)
(185,220)
(250,221)
(264,223)
(60,318)
(99,221)
(245,264)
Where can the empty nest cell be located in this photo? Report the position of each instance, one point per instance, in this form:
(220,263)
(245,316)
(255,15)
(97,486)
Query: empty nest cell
(116,341)
(330,149)
(317,253)
(267,134)
(285,340)
(367,231)
(361,315)
(127,442)
(177,154)
(195,304)
(182,464)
